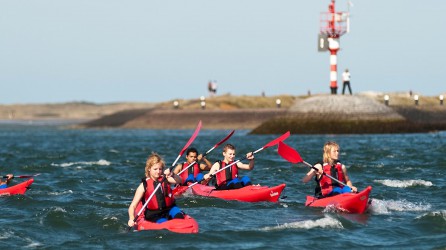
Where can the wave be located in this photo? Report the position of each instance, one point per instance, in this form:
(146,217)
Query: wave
(11,237)
(5,235)
(61,193)
(387,206)
(437,215)
(326,222)
(404,184)
(101,162)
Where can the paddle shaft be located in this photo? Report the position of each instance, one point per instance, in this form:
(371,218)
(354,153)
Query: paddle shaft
(269,144)
(329,176)
(237,161)
(210,150)
(22,176)
(291,155)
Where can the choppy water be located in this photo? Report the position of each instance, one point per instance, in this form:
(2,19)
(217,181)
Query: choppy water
(88,178)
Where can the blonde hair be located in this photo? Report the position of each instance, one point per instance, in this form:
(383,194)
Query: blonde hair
(153,159)
(326,151)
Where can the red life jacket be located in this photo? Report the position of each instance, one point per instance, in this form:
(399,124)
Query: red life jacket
(228,174)
(163,197)
(328,184)
(194,169)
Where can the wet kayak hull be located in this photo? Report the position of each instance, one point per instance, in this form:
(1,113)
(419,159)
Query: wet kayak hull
(349,202)
(188,225)
(250,193)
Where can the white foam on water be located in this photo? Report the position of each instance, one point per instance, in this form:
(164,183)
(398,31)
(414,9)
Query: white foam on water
(332,209)
(111,218)
(33,244)
(405,183)
(5,235)
(387,206)
(436,214)
(326,222)
(101,162)
(58,209)
(61,193)
(11,236)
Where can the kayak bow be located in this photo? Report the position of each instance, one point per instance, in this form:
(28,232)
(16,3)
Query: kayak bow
(20,188)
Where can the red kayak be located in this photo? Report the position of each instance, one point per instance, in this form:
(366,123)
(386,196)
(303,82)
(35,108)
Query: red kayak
(348,202)
(20,188)
(187,225)
(250,193)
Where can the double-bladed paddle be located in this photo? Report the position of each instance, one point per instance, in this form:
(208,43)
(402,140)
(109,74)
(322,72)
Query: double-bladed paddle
(290,154)
(269,144)
(192,138)
(22,176)
(210,150)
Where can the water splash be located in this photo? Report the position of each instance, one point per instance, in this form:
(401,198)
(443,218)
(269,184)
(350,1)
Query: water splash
(438,215)
(387,206)
(405,183)
(326,222)
(101,162)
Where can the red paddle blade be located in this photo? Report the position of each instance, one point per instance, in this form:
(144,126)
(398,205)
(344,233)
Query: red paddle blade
(277,140)
(194,135)
(192,138)
(225,139)
(219,143)
(288,153)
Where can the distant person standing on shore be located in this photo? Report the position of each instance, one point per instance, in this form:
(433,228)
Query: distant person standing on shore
(214,87)
(346,81)
(210,88)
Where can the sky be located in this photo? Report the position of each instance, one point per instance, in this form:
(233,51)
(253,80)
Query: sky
(106,51)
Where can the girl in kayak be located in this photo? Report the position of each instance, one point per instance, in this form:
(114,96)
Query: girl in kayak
(162,205)
(193,173)
(228,178)
(330,166)
(4,184)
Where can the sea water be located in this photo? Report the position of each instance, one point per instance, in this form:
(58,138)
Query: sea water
(88,178)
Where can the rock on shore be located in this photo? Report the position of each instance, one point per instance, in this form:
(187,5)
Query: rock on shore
(335,114)
(335,107)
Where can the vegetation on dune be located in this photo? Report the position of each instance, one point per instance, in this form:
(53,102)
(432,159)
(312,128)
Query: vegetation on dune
(229,102)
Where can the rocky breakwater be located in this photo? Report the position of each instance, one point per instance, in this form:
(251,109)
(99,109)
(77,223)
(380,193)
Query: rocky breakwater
(187,119)
(339,114)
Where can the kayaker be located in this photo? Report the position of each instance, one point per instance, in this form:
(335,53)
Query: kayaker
(4,184)
(330,166)
(228,178)
(162,205)
(193,173)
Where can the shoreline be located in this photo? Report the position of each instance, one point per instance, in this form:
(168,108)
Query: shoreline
(317,114)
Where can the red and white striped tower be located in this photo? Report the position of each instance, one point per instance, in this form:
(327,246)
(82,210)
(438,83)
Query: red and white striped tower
(333,26)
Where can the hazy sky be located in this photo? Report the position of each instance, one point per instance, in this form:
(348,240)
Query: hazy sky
(142,50)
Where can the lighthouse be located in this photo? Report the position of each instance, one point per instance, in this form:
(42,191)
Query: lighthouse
(332,26)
